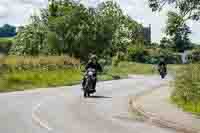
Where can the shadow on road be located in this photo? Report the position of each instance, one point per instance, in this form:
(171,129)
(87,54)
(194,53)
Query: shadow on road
(99,97)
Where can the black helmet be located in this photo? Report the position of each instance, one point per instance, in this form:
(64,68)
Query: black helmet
(93,57)
(162,58)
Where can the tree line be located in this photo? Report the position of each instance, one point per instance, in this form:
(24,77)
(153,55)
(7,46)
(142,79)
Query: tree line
(68,27)
(7,30)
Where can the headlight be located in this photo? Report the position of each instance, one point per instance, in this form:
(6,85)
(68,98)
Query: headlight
(90,73)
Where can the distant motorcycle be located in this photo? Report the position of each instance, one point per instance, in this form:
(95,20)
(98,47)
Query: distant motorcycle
(162,72)
(90,78)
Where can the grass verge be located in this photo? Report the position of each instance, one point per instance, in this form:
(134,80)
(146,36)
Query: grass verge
(125,68)
(38,78)
(186,93)
(22,73)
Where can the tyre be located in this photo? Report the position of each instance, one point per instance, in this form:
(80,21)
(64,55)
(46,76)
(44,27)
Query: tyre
(85,94)
(162,75)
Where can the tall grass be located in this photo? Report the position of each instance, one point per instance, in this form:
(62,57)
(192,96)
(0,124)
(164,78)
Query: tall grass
(20,72)
(187,88)
(39,60)
(37,78)
(46,62)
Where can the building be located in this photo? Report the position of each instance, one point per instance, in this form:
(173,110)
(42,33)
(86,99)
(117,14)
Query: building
(19,28)
(147,34)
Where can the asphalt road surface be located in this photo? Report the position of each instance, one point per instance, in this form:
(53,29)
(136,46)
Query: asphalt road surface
(64,110)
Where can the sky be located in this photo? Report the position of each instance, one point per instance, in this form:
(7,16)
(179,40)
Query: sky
(17,12)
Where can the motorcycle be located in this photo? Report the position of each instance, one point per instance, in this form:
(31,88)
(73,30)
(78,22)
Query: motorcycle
(162,72)
(90,80)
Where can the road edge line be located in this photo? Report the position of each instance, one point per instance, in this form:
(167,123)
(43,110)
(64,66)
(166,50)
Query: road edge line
(135,107)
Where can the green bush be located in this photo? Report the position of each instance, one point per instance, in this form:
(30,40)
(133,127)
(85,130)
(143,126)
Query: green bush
(5,45)
(187,88)
(194,56)
(119,57)
(115,61)
(171,57)
(152,56)
(136,53)
(105,61)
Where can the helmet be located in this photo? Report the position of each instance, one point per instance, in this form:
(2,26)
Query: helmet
(162,59)
(93,57)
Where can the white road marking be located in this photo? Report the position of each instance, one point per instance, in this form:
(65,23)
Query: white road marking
(37,119)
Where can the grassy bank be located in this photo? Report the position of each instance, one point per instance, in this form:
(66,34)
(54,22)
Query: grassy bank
(187,88)
(125,68)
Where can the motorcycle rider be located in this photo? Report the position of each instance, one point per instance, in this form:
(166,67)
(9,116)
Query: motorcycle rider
(162,64)
(92,63)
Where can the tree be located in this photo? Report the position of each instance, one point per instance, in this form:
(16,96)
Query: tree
(188,9)
(154,44)
(179,32)
(174,23)
(31,40)
(165,43)
(70,28)
(120,30)
(7,30)
(53,8)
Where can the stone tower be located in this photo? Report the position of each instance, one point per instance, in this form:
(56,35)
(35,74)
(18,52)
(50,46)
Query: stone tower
(147,34)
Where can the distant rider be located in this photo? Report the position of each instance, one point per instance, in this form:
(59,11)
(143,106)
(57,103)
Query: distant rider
(92,63)
(162,64)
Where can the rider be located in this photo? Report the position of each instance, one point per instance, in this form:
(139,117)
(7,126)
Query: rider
(94,65)
(163,64)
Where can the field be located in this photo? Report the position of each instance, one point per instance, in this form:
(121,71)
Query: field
(5,44)
(6,38)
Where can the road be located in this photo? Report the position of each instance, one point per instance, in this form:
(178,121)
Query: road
(64,110)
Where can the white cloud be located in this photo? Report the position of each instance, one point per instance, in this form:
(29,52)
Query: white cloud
(18,11)
(3,11)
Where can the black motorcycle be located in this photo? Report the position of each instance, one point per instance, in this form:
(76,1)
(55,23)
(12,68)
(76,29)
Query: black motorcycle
(162,71)
(90,80)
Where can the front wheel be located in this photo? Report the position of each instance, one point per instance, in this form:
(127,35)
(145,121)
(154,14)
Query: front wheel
(162,75)
(86,94)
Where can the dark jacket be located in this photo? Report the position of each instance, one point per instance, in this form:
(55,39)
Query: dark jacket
(162,63)
(95,66)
